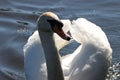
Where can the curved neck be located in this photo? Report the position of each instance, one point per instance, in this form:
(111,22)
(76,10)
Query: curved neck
(52,57)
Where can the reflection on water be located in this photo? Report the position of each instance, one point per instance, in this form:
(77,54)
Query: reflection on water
(18,22)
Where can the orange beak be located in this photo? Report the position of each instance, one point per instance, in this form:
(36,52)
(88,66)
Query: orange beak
(61,33)
(56,26)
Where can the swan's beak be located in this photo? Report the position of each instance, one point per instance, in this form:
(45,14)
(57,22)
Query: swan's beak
(57,28)
(61,33)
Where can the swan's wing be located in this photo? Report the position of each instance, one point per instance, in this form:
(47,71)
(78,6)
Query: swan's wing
(67,24)
(85,31)
(96,67)
(34,59)
(92,60)
(32,41)
(93,68)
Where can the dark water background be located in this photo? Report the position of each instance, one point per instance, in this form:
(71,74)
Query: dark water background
(18,22)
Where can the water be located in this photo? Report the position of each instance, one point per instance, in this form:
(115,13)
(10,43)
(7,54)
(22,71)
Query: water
(18,22)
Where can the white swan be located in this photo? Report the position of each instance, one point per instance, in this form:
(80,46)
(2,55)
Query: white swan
(89,60)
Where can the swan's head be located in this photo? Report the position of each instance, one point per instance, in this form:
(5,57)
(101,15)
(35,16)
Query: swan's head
(49,22)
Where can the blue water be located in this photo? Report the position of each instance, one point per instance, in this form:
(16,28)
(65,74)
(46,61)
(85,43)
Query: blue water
(18,22)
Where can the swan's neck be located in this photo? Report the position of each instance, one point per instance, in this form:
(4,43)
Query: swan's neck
(52,57)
